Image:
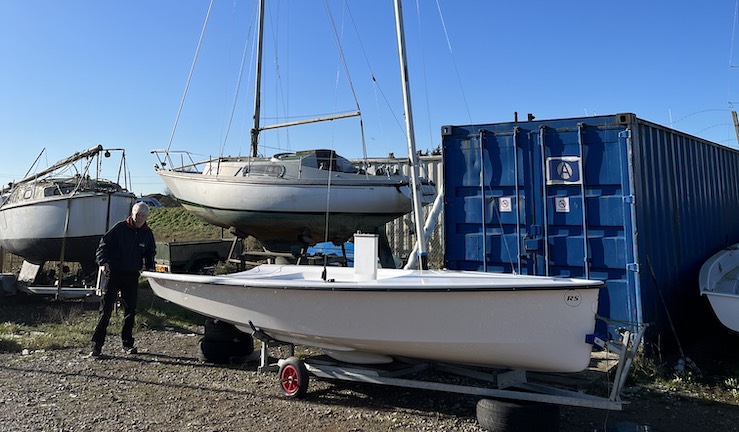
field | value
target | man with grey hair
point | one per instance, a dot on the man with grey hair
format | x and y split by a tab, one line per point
122	252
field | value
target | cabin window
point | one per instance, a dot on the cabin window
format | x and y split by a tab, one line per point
264	170
328	159
51	191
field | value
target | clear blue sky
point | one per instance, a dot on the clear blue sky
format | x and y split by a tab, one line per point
77	73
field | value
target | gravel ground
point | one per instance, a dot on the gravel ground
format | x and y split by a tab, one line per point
167	387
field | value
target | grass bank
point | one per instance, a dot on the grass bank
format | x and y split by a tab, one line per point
36	323
176	223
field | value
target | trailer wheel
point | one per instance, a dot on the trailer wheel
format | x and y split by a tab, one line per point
293	378
499	416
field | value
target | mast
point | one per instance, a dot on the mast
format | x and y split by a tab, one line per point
258	83
410	134
74	158
257	128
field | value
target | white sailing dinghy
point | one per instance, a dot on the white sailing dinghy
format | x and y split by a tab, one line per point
370	315
719	282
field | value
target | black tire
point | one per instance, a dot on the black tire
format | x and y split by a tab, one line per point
293	378
221	331
505	416
225	352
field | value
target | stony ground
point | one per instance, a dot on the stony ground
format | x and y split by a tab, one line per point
167	387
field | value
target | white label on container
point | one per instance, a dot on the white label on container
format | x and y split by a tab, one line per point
562	204
505	205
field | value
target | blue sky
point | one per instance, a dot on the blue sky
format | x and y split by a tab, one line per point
79	73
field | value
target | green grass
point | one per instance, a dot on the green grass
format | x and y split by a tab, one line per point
54	326
37	323
171	224
177	224
34	323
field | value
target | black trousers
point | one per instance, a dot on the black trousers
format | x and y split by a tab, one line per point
128	285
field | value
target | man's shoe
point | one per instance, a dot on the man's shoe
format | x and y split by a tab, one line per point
130	350
96	352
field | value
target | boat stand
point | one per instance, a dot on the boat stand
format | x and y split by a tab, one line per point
64	293
25	279
512	384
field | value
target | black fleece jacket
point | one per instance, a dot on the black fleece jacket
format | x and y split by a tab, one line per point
127	248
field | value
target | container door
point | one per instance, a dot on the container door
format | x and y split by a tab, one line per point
520	203
561	212
485	202
543	198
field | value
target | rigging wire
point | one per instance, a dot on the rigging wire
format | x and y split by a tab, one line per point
280	92
189	77
332	158
423	70
375	83
733	34
280	95
331	164
699	112
731	54
340	49
245	123
236	93
713	126
34	163
454	63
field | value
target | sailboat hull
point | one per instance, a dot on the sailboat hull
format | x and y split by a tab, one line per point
36	229
282	213
486	319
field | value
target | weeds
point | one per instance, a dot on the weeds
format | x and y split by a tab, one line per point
37	324
34	323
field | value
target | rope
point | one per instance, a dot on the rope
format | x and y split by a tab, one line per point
189	76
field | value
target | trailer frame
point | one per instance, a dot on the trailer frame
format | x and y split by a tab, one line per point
510	384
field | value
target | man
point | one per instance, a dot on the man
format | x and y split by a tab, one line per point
122	251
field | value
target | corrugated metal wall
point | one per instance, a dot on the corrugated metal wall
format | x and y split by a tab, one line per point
687	209
615	198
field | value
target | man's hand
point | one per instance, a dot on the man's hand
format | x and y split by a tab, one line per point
106	269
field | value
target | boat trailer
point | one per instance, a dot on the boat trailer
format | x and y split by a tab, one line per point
509	384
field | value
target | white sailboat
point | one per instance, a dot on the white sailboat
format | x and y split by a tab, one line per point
370	315
289	199
50	216
719	282
282	201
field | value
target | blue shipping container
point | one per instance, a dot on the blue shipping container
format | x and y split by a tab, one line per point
614	198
